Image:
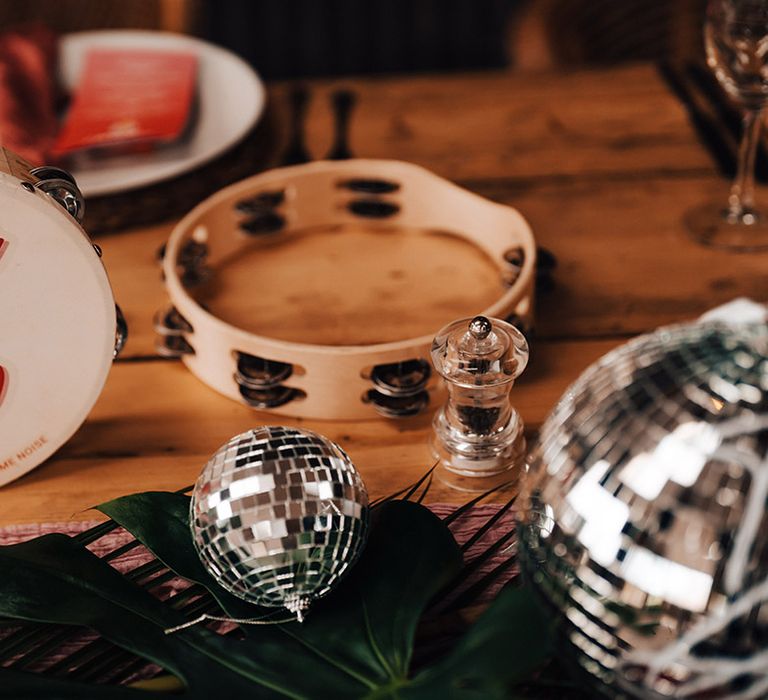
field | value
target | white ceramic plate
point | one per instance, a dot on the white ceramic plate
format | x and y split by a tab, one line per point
231	99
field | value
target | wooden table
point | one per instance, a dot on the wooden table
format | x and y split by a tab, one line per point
602	164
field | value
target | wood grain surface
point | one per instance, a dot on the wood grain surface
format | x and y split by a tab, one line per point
603	164
515	126
413	280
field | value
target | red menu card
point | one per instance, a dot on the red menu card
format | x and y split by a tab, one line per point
129	99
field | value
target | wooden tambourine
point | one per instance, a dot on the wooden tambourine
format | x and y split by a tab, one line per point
315	290
59	327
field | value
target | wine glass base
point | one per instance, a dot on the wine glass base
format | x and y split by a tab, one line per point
715	226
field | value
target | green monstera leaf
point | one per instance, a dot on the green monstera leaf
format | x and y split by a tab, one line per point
355	643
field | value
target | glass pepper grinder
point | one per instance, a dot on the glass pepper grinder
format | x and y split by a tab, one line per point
478	434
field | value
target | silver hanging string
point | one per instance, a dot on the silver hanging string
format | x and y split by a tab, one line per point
205	617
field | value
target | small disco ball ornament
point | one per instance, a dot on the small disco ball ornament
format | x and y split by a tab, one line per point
278	515
643	519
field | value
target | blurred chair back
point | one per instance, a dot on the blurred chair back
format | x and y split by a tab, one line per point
291	38
79	15
572	33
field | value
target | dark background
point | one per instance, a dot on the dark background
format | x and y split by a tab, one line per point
304	38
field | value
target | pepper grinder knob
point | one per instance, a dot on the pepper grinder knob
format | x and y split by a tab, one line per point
480	327
478	435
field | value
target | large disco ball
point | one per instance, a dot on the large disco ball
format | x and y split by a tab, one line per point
278	515
643	519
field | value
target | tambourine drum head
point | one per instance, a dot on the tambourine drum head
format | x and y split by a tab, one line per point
57	328
350	284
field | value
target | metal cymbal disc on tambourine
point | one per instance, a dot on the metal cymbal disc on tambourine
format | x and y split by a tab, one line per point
59	326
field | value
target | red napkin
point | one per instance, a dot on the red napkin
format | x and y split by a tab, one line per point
129	101
28	123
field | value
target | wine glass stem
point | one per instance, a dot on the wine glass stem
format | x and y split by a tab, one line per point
742	197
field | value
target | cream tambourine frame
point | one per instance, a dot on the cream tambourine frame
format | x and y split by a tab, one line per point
333	381
57	321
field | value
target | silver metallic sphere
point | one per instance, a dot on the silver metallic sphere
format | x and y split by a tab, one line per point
643	519
480	327
278	515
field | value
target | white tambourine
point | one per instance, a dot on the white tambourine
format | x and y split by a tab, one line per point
59	326
310	205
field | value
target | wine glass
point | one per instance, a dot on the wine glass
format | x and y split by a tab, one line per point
736	40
